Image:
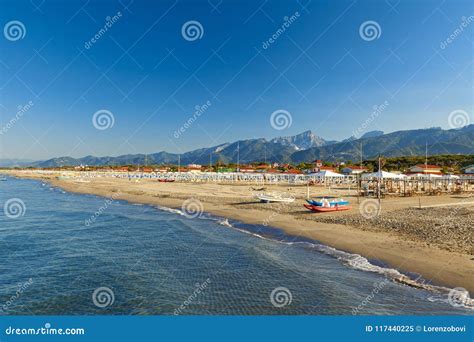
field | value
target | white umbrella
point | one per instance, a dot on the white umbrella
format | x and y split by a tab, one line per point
327	173
382	174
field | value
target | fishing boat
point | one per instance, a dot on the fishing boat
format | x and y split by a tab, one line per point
327	201
267	198
3	179
336	207
166	180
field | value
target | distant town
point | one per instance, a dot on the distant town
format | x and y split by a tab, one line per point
435	165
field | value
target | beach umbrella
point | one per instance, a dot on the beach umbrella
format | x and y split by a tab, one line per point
327	173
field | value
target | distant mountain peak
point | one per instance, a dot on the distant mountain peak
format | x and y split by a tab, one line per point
372	134
302	141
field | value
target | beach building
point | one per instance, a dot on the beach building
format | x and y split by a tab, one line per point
318	163
247	169
469	170
354	170
294	172
327	168
426	169
263	168
194	168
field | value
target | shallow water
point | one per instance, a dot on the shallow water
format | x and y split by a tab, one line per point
160	262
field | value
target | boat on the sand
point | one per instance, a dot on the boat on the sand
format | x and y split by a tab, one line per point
321	209
327	201
268	198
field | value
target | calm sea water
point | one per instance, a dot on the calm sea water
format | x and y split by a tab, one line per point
151	261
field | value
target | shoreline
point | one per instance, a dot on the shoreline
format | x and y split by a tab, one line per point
439	267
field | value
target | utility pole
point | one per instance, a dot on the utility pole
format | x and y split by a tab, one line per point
426	156
379	179
238	156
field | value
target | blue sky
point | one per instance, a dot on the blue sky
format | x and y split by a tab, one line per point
150	78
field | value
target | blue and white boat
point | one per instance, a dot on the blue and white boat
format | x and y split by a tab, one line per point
327	201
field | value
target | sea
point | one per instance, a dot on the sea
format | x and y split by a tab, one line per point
72	254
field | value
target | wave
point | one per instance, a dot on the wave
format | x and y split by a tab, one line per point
351	260
170	210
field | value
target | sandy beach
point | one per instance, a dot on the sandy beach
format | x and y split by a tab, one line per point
436	243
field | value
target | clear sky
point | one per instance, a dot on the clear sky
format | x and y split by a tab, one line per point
150	73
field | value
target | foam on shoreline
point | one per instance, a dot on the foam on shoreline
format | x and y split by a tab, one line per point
355	261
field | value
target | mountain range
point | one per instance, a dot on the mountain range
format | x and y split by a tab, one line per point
304	147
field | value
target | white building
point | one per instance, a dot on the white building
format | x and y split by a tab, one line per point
469	169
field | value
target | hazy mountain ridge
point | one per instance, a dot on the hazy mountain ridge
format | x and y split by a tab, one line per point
303	147
400	143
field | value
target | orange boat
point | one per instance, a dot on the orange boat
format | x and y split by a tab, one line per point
326	209
165	180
